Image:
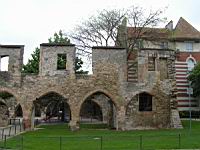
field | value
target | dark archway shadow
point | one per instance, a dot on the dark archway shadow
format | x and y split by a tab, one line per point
18	111
52	108
91	112
9	100
98	108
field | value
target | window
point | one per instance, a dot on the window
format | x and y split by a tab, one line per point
189	46
145	102
190	64
61	61
164	45
4	62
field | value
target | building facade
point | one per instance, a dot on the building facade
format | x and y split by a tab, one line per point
184	40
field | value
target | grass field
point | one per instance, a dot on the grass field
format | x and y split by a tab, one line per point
59	137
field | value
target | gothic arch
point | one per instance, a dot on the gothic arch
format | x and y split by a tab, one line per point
192	58
64	101
11	101
112	98
14	94
113	103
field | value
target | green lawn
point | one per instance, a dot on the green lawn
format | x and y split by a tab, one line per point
57	137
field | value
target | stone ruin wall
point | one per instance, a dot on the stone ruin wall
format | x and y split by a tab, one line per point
3	115
155	84
109	76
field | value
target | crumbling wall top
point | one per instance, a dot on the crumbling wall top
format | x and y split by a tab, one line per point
55	44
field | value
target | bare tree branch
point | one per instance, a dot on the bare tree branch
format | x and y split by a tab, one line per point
103	29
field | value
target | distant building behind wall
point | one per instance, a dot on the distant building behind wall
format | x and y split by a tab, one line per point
184	39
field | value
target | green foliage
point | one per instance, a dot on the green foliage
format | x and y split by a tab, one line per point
54	136
59	38
61	61
194	77
94	126
78	66
33	64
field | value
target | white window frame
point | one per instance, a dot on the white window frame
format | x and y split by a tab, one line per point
189	64
189	46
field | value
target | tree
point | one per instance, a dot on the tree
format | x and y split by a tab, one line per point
194	77
142	22
33	64
59	38
98	30
101	29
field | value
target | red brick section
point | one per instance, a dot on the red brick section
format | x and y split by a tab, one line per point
182	56
132	56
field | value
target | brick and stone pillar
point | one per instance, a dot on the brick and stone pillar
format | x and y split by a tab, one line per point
74	122
28	119
120	118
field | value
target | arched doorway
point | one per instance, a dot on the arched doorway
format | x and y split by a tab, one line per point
10	101
8	105
98	108
91	112
3	114
52	107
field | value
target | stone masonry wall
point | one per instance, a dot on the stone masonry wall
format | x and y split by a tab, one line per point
12	77
109	78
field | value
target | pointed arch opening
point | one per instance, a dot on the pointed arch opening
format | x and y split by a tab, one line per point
52	107
8	103
4	114
98	107
91	112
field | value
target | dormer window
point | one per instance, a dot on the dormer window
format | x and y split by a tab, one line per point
189	46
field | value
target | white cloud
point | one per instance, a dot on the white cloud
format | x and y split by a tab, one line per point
31	22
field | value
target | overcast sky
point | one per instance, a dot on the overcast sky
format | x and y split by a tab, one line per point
31	22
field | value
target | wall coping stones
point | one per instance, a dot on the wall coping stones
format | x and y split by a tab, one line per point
108	47
53	44
159	49
11	46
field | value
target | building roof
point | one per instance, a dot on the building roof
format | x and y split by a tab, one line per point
149	33
182	31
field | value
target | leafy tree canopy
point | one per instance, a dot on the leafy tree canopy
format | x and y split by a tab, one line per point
194	77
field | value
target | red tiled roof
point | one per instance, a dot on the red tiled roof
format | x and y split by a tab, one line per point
149	33
182	31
